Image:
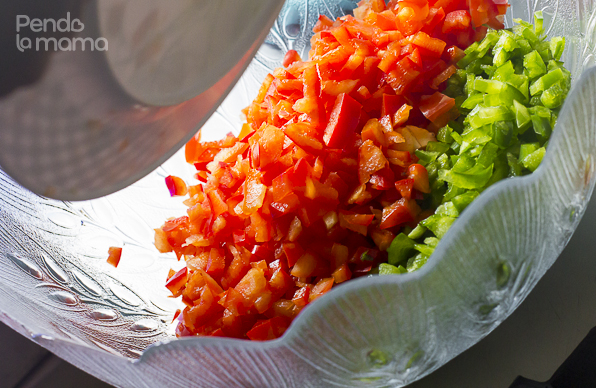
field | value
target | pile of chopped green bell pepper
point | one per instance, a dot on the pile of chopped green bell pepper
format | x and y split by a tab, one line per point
509	88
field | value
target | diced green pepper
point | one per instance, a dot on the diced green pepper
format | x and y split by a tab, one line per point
524	45
500	170
530	35
557	46
444	135
487	155
388	269
505	97
506	41
554	96
532	161
417	232
546	81
508	82
542	125
502	73
515	167
443	161
482	115
500	56
434	146
432	241
462	163
522	117
543	49
424	249
476	137
534	64
425	157
527	149
416	262
463	200
502	133
489	86
439	225
489	41
457	137
474	178
400	249
535	100
473	101
452	191
538	23
471	54
447	209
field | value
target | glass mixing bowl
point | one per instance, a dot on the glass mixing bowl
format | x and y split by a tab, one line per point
57	289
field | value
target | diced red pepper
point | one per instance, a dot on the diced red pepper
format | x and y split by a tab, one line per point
176	186
418	174
216	264
443	76
300	298
178	281
323	286
341	274
356	222
370	160
304	266
382	179
280	282
400	212
237	268
391	104
254	193
114	254
291	57
300	135
293	252
403	76
323	174
252	284
457	21
436	105
343	121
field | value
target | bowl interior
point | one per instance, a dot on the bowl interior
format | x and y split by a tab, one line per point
56	286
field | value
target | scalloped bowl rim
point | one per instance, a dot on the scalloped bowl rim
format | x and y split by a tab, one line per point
299	324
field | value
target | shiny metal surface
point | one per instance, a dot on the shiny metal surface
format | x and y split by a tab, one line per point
85	118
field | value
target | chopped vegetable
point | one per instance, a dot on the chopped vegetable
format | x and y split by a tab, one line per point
502	132
176	186
339	155
114	254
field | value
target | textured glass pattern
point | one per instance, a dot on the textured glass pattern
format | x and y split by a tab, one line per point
379	331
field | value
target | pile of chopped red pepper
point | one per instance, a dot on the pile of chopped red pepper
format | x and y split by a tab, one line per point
323	175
